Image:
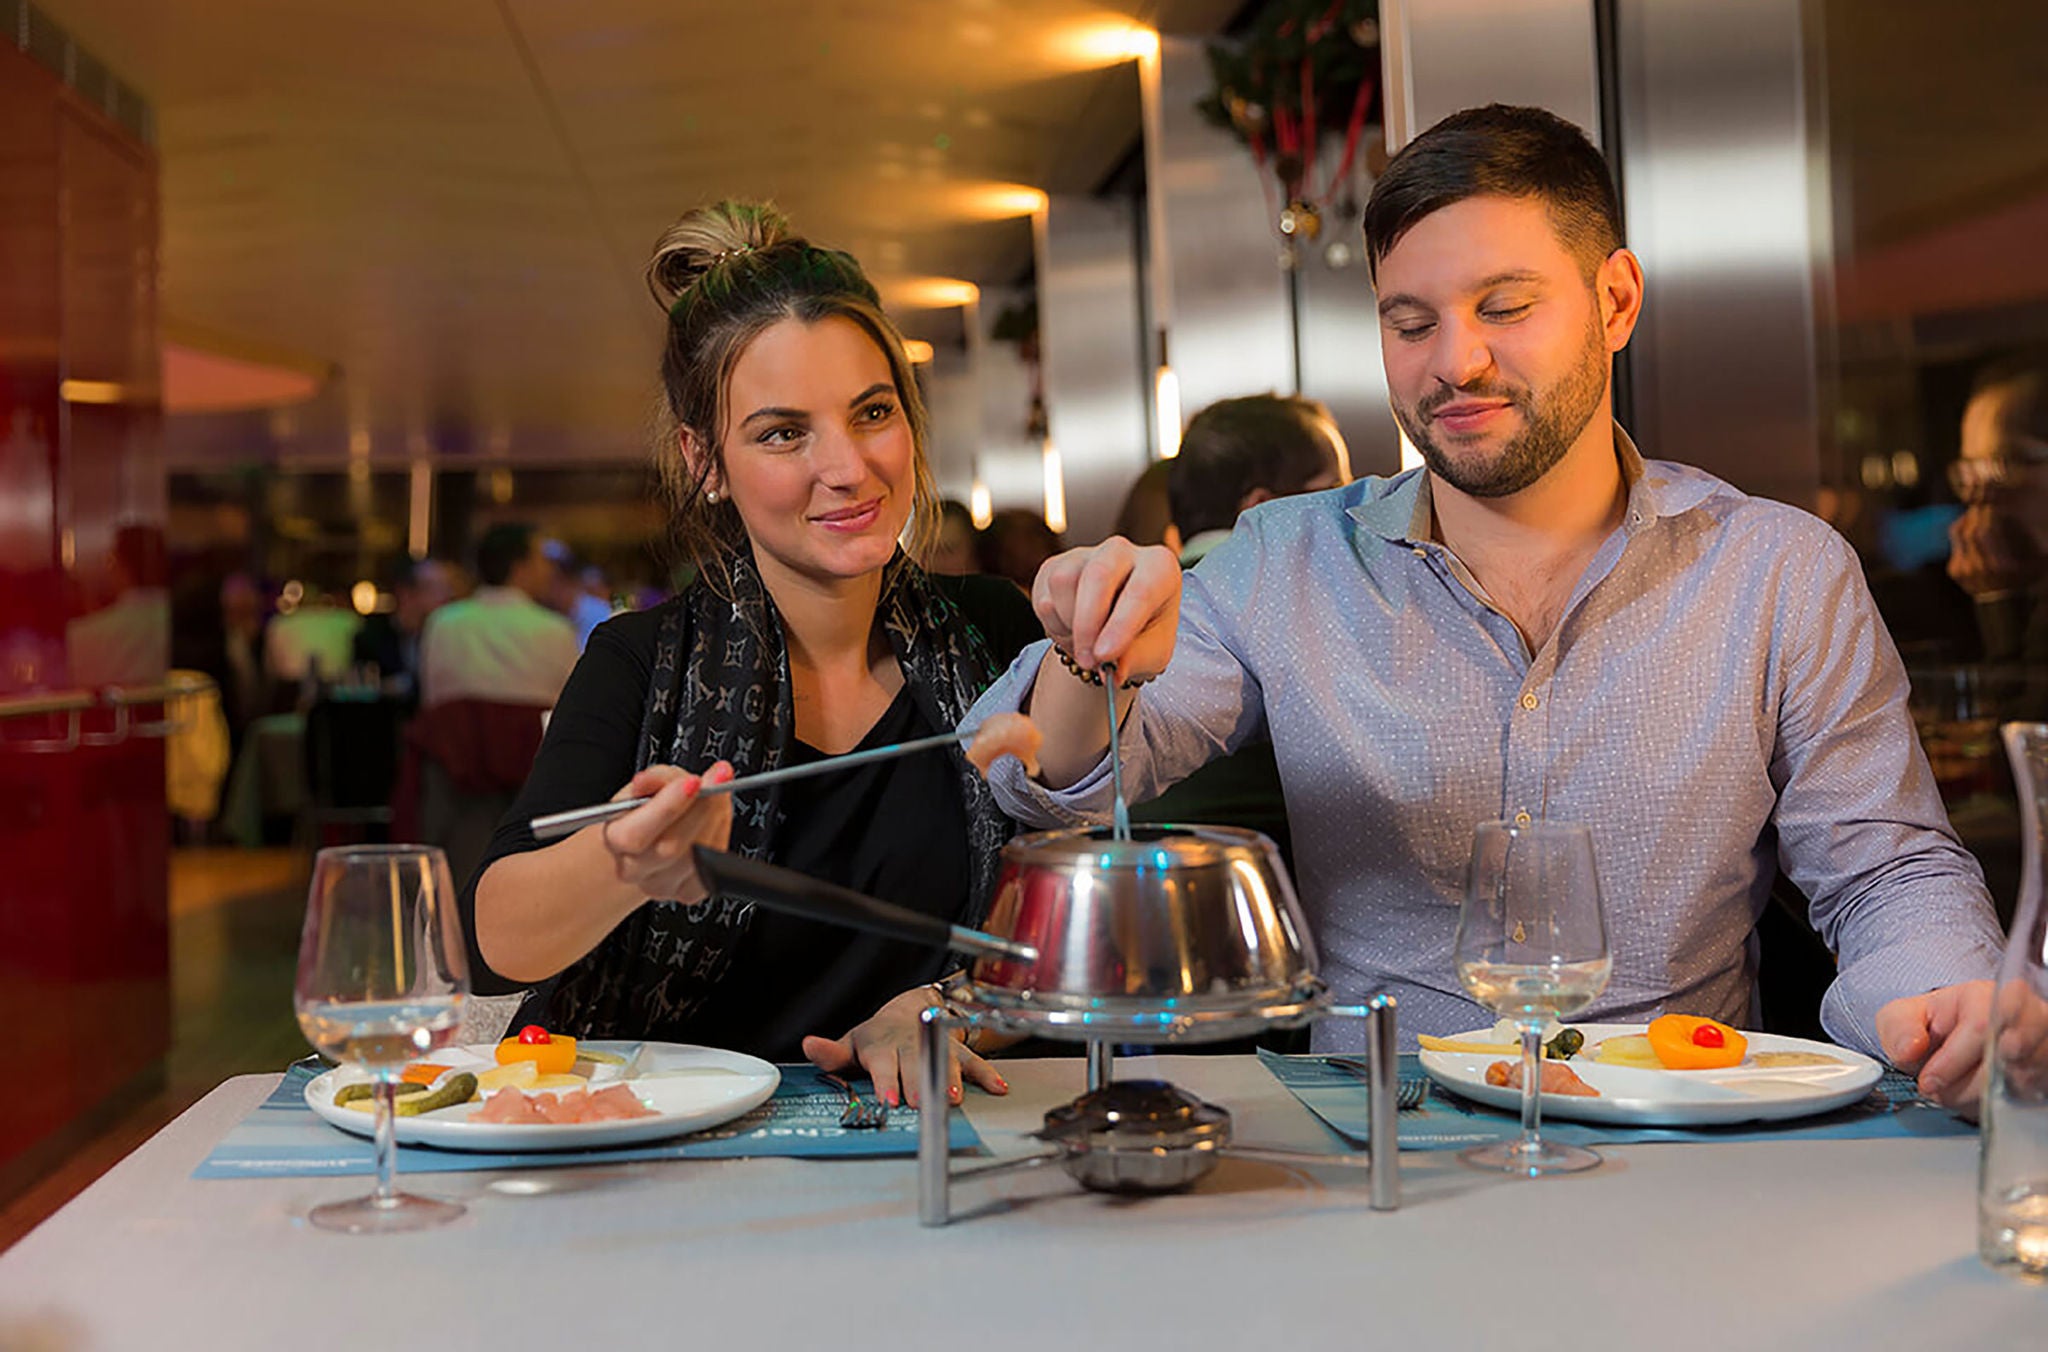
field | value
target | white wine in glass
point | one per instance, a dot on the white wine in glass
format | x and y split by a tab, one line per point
1532	946
382	977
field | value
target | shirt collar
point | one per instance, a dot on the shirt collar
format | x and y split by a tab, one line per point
1194	550
1398	509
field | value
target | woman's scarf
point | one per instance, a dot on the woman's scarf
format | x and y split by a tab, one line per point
720	690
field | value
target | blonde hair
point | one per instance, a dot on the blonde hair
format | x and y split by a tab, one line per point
724	273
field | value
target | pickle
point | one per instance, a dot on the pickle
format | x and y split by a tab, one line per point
363	1089
1565	1045
453	1090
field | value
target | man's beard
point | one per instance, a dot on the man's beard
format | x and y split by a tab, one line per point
1549	426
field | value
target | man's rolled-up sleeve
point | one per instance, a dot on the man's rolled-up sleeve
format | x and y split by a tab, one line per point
1207	703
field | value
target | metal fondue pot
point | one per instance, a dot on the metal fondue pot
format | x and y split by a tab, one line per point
1181	933
1178	934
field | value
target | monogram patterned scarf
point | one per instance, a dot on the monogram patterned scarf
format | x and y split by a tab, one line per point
721	691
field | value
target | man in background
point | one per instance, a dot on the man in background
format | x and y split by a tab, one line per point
1238	453
390	640
502	644
490	668
582	594
953	553
1999	546
128	640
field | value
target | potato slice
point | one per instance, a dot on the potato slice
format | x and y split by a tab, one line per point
514	1075
1631	1050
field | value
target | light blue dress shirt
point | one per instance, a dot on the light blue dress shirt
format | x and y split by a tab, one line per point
1719	700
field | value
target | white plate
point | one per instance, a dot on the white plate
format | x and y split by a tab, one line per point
1672	1098
689	1089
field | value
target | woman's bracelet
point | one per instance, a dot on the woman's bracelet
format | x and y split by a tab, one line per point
1082	673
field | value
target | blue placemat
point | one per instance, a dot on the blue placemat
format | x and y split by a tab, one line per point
1447	1122
281	1137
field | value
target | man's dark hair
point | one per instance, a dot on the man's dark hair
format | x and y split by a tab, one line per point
1498	151
2026	372
501	550
140	550
1278	442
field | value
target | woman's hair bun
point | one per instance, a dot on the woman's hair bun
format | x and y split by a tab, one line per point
707	236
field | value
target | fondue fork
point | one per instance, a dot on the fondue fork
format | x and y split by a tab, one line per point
1120	810
1406	1098
556	825
860	1113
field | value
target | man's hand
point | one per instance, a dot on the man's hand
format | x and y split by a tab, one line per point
1939	1037
1113	602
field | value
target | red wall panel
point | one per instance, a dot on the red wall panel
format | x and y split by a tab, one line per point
84	835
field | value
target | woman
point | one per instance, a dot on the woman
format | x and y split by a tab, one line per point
795	458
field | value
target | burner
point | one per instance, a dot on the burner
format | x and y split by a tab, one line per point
1137	1136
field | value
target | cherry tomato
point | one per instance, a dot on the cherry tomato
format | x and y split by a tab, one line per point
533	1035
1706	1035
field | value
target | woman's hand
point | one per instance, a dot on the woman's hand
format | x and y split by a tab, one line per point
650	846
1113	602
885	1046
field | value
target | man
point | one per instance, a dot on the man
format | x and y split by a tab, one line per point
502	644
580	593
1238	453
1537	624
1999	546
127	641
391	642
953	553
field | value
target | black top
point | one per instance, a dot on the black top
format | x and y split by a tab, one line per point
895	829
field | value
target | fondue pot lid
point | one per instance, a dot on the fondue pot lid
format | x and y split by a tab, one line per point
1137	1115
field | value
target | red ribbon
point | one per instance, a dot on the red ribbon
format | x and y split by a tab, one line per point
1351	131
1310	132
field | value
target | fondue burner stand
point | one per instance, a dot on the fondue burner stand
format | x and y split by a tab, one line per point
1137	1136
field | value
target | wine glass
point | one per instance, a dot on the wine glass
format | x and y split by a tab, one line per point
382	976
1532	946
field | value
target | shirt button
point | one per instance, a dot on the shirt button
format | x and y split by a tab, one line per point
1521	819
1529	701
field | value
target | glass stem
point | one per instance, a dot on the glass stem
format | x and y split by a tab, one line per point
387	1142
1532	1075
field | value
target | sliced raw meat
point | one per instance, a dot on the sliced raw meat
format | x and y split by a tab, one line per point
1557	1078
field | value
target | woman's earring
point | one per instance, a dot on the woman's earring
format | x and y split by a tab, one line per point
711	496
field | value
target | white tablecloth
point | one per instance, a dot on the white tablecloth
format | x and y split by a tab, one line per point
1852	1244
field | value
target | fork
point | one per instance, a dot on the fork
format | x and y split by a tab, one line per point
1407	1097
860	1113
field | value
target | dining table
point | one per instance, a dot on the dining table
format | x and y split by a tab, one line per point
1785	1243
